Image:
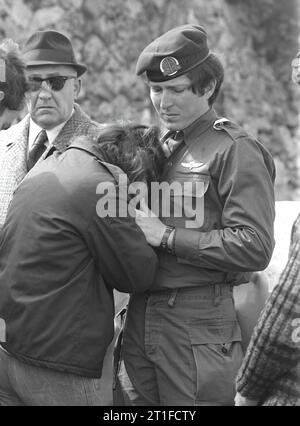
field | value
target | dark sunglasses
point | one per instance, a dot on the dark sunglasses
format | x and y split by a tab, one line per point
56	83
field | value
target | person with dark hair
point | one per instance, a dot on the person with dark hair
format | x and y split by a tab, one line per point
54	118
182	341
134	148
12	81
202	76
61	258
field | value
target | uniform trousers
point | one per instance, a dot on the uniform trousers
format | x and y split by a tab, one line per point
180	347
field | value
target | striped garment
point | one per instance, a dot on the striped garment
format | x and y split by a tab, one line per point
271	368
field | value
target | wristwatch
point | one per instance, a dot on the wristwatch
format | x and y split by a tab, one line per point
166	244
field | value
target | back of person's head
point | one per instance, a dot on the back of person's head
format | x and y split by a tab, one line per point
12	76
135	148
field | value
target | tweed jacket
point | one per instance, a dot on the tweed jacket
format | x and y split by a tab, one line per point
271	368
13	151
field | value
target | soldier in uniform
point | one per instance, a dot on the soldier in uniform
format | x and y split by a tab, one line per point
182	341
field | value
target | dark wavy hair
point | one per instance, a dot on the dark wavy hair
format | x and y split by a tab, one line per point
135	148
14	86
211	70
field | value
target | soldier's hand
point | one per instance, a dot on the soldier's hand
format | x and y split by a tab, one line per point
150	224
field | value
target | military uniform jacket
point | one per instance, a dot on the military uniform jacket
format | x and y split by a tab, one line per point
271	369
231	178
13	152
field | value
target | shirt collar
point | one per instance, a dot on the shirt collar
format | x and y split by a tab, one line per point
199	126
34	130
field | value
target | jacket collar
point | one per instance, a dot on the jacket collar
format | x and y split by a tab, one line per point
90	145
17	134
64	137
199	126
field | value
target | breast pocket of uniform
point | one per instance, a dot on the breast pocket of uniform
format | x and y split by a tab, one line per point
188	200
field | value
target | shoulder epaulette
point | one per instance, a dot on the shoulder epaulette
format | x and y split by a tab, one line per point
220	123
232	129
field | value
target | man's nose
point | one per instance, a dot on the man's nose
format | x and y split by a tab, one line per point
166	100
45	90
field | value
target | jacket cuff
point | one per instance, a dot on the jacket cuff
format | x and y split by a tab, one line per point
186	244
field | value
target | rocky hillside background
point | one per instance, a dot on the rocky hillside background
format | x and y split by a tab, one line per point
256	39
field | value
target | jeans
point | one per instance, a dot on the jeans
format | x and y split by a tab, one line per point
181	347
24	384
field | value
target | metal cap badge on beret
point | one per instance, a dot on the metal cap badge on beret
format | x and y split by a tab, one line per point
50	48
174	53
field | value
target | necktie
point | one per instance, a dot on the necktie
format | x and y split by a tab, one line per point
173	141
37	149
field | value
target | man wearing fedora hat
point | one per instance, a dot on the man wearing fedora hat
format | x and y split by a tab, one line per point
182	341
53	119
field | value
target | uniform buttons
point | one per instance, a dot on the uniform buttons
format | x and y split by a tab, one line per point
170	164
224	350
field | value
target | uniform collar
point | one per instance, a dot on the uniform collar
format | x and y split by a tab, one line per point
199	126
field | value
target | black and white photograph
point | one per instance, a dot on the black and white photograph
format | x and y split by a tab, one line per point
149	205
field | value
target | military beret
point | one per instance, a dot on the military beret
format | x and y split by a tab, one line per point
174	53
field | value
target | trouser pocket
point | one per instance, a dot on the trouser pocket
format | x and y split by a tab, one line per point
217	353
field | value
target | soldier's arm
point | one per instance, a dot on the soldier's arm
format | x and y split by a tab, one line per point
246	188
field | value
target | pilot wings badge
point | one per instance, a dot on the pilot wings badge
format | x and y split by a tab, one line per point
192	165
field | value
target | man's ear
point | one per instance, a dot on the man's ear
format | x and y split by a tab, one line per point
2	95
77	87
210	89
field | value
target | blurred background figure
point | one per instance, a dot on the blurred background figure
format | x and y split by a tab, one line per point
270	374
296	69
12	83
250	298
